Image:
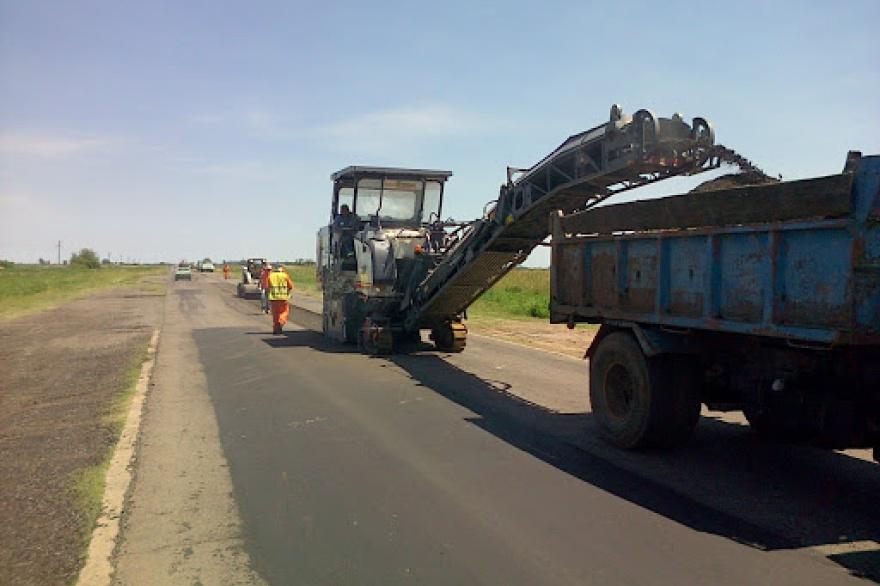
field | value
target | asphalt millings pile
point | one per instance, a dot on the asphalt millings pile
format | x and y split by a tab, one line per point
749	173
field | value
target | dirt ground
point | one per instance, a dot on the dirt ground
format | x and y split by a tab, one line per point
537	334
61	370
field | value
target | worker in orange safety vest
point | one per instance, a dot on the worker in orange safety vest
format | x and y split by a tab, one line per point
280	288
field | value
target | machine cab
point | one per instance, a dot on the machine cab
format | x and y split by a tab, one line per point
369	202
389	197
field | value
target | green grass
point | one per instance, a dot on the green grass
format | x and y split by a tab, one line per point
28	288
303	277
88	496
521	294
87	484
117	412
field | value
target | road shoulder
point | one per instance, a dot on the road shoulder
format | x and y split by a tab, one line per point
181	522
65	375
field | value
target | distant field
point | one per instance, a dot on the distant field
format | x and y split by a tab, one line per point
303	277
26	288
522	294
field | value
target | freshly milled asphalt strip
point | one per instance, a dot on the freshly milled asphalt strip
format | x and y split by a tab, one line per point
348	469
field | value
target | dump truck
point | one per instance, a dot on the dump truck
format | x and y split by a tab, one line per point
391	269
249	286
763	299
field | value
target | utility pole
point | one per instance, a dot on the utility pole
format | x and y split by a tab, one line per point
59	252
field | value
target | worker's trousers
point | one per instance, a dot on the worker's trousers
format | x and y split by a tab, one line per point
280	312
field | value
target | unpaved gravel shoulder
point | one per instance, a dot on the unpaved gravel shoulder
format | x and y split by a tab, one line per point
60	371
180	523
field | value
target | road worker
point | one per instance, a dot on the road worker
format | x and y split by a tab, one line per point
280	288
225	272
264	287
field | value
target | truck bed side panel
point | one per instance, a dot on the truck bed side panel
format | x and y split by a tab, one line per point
816	278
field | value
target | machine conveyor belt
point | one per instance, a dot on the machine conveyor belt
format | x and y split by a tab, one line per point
626	152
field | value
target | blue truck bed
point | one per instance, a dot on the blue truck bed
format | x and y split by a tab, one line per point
797	260
764	299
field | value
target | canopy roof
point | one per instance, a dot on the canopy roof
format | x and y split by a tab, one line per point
357	171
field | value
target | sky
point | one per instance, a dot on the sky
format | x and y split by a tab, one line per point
158	131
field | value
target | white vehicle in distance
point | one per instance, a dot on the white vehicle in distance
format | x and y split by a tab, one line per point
183	271
206	266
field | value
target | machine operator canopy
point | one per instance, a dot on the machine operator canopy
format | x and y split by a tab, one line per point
386	194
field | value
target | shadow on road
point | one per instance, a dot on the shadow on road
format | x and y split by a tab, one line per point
307	338
726	482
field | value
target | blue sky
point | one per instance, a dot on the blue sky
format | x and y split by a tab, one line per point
168	130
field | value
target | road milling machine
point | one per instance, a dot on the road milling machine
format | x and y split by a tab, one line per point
249	286
390	268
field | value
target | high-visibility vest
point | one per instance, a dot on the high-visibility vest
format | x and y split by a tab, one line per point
278	286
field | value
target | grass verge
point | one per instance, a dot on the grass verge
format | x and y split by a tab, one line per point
303	277
28	288
522	294
88	484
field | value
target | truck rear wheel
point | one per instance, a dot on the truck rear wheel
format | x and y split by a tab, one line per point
642	402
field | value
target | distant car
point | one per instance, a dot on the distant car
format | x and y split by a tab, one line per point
183	271
207	267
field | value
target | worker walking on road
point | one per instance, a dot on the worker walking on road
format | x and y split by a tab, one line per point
264	287
225	272
280	287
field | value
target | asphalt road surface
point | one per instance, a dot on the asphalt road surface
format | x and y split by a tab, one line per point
294	460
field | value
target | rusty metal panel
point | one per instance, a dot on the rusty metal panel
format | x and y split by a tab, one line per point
603	274
570	287
745	270
816	275
640	290
687	276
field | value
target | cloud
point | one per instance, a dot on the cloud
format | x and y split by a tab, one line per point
256	122
381	132
42	145
13	199
390	131
242	170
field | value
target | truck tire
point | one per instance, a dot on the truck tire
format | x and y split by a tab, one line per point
642	402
